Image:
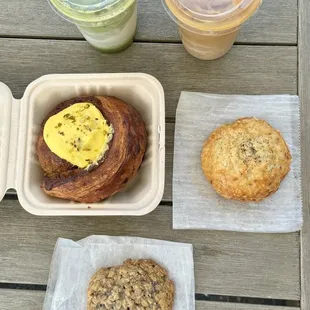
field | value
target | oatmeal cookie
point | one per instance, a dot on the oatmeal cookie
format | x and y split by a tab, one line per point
135	285
246	160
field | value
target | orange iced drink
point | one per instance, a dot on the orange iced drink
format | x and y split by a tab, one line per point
209	28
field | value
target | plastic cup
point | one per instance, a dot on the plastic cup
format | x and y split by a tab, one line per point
209	28
108	25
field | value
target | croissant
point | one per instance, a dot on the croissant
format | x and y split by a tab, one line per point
120	163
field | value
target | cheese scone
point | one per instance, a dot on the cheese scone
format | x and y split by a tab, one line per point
246	160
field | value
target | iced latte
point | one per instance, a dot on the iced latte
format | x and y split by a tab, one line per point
209	28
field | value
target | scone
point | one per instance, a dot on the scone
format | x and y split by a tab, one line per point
246	160
90	147
135	285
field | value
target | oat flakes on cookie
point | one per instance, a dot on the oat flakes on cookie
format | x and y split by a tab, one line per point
246	160
135	285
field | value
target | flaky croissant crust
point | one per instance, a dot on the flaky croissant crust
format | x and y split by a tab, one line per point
113	172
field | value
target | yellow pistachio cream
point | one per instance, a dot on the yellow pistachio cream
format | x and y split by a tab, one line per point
78	134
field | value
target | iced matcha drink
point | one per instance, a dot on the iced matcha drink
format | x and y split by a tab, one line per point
209	28
108	25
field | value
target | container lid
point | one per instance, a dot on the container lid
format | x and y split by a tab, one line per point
91	13
210	15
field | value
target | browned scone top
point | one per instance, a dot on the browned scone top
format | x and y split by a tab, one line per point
136	284
116	169
246	160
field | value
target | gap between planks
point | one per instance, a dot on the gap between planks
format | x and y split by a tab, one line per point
304	93
51	38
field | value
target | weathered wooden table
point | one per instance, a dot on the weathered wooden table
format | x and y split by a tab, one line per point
257	271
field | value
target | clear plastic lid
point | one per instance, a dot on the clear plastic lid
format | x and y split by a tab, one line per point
211	8
88	5
91	13
211	15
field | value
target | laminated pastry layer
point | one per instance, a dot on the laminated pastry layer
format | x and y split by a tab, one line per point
121	160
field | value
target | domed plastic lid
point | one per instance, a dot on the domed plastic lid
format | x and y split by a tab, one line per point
210	15
88	5
90	13
208	8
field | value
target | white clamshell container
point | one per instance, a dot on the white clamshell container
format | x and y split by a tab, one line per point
20	123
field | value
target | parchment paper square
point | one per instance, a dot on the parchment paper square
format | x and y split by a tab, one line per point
74	263
195	203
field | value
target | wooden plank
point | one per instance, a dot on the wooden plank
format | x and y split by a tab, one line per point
304	93
246	70
33	300
226	263
256	28
205	305
275	22
21	299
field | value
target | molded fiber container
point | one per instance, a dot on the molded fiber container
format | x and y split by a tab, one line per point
20	123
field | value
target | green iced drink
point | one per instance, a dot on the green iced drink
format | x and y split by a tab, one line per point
108	25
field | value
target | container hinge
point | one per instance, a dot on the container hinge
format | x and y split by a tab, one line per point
13	144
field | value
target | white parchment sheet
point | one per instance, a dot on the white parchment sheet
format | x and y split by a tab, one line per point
195	203
74	263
